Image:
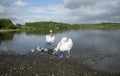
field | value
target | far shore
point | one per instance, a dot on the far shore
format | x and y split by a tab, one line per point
6	30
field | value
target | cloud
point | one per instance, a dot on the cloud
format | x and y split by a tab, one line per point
3	2
56	13
20	4
16	14
36	10
68	11
40	17
51	9
77	3
94	11
2	9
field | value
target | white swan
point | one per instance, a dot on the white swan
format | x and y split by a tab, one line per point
32	50
45	50
50	38
65	44
38	49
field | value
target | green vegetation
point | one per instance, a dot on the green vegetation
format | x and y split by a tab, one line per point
33	26
56	25
47	25
98	26
7	24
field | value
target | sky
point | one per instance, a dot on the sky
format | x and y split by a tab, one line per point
66	11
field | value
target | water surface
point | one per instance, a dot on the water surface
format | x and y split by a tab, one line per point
98	48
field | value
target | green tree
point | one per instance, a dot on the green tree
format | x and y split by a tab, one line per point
6	24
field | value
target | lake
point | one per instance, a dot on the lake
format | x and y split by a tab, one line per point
98	48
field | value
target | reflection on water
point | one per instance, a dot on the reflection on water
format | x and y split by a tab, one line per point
6	36
97	47
44	31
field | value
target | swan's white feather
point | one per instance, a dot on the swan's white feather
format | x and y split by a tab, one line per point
50	39
64	45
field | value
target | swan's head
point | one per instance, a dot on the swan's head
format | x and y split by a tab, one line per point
42	48
50	31
32	50
64	39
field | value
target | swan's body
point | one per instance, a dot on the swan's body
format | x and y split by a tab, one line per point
45	50
64	45
38	49
32	50
50	38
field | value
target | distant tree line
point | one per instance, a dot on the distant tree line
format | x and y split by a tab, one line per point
48	25
7	24
57	25
100	25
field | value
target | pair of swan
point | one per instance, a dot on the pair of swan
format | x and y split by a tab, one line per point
65	45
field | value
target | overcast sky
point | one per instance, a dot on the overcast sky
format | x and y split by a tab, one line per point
68	11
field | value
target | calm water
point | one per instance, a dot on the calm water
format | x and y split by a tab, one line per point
100	49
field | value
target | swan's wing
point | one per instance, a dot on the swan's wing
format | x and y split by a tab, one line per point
63	46
64	39
53	39
48	38
68	45
57	48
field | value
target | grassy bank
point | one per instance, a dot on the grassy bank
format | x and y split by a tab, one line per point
7	30
22	65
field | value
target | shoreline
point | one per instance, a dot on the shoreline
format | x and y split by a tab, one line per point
23	65
7	30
